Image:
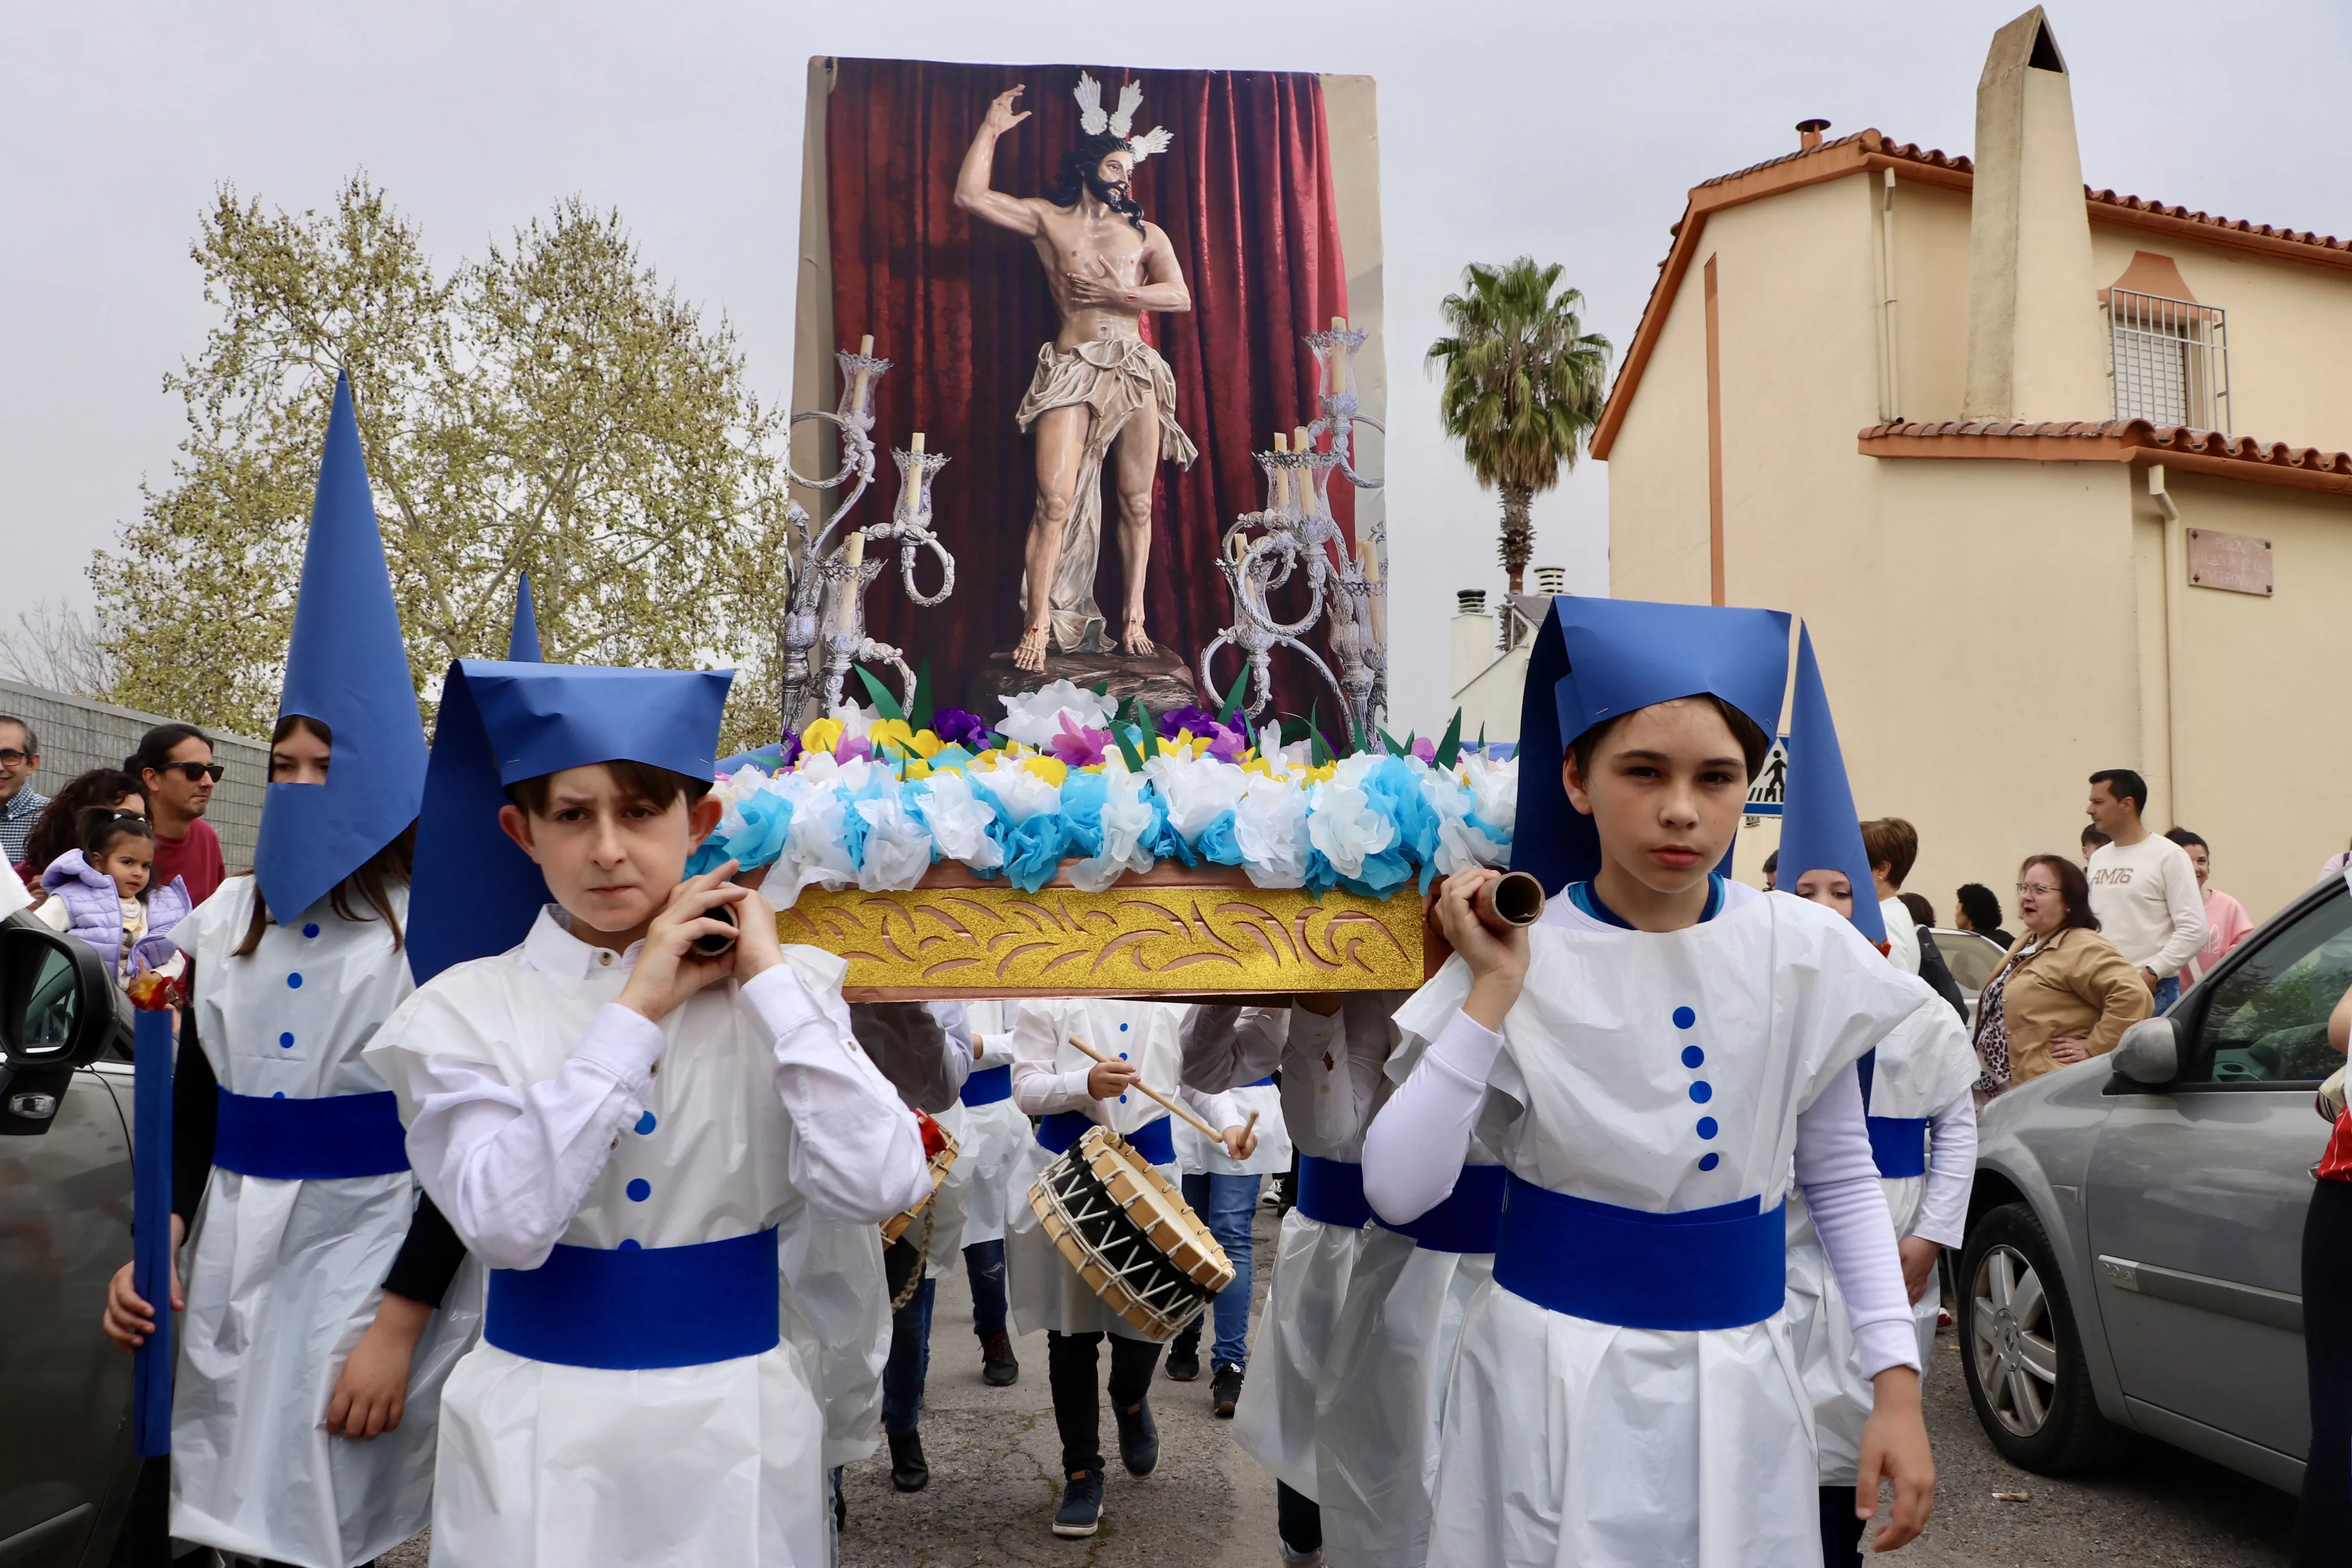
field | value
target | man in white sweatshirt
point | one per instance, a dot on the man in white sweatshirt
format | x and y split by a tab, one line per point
2143	888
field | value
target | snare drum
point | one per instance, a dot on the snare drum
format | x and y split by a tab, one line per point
1130	1235
943	1145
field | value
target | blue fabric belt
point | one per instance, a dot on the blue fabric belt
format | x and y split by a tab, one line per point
1704	1268
1468	1218
309	1139
636	1308
987	1086
1265	1082
1331	1192
1154	1140
1899	1144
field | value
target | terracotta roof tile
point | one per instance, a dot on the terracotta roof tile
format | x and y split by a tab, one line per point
2201	451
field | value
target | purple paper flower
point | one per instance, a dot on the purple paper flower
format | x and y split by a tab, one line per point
852	747
1425	749
955	727
1198	719
1225	745
788	753
1077	745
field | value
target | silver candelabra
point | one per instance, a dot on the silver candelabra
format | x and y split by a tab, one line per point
830	569
1295	530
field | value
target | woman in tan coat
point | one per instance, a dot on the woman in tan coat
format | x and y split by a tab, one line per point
2063	994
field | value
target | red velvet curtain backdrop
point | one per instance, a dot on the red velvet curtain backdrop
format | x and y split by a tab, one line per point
961	307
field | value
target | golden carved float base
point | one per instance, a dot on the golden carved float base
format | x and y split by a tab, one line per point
1167	932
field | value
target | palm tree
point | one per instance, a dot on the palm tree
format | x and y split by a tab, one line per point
1522	387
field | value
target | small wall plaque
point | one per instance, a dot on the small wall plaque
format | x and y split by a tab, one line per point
2232	562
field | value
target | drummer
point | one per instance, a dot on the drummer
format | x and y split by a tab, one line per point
1224	1192
1070	1091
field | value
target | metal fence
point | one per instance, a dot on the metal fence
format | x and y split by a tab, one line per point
2169	360
78	734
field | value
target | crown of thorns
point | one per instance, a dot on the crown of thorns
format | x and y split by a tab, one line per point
1093	121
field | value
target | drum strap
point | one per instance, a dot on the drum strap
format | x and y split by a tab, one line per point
634	1308
1468	1218
1155	1141
1702	1268
290	1140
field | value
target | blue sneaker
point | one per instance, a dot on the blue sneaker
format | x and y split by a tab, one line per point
1138	1439
1082	1500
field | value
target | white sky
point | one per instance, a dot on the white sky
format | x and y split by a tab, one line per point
1569	130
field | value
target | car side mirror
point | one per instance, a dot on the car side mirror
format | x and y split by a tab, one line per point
59	1009
2149	1052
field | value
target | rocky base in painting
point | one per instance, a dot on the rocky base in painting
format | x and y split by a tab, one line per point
1161	681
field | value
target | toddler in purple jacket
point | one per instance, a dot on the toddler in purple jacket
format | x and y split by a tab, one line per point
100	894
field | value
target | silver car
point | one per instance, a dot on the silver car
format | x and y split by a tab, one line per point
2133	1256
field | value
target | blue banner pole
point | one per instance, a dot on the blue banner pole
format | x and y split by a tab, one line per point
151	1371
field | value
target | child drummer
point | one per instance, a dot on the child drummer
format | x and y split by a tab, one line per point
615	1118
1071	1092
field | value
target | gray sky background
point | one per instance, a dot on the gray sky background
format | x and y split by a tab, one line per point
1568	130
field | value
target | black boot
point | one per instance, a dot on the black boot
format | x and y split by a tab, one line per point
1226	1390
1184	1356
999	1367
909	1473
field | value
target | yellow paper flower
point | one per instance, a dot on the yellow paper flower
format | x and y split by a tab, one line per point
1053	770
925	743
917	768
987	759
891	732
821	736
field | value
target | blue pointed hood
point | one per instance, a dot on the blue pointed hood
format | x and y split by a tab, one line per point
522	642
475	893
347	668
1819	829
1596	659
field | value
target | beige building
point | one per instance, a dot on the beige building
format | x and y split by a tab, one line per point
2057	477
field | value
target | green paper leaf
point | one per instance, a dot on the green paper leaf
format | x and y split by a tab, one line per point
1233	694
1318	750
1396	747
919	717
1126	738
1451	747
884	703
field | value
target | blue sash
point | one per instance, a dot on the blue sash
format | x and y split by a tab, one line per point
311	1139
1331	1192
987	1086
1468	1218
1154	1140
1899	1144
1265	1082
634	1308
1704	1268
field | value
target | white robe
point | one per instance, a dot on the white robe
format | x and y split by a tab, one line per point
1924	1068
991	1141
1048	1076
1197	1156
746	1103
1330	1067
282	1277
1566	1441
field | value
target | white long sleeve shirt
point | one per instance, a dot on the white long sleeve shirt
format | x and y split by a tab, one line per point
1951	1174
538	1110
2145	897
1049	1075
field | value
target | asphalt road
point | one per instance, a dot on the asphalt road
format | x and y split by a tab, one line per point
995	1483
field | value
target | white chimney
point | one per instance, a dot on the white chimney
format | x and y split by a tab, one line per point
2035	349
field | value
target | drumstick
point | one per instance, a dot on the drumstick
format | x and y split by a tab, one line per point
1207	1131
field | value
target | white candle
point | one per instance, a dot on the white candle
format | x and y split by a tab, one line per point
1281	476
1338	356
915	479
857	381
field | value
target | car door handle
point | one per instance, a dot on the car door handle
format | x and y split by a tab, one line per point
2273	1308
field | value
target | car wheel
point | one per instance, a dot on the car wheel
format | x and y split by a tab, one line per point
2021	1350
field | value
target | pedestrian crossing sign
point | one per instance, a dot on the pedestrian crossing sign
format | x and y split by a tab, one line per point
1767	791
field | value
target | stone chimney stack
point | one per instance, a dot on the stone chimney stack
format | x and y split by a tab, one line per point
2034	348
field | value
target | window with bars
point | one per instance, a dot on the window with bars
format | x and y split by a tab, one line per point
2169	360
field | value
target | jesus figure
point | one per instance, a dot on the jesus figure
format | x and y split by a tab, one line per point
1098	384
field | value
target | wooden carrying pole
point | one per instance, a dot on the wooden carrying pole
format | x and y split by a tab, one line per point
1172	1107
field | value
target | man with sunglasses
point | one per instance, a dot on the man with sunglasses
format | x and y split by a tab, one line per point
174	762
20	803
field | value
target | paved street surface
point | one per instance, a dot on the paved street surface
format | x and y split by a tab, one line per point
995	1482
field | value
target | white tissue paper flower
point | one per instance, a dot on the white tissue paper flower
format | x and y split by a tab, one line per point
1197	789
959	822
855	720
1022	793
1035	718
898	848
814	847
1495	785
1341	820
1128	820
1270	826
1460	846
